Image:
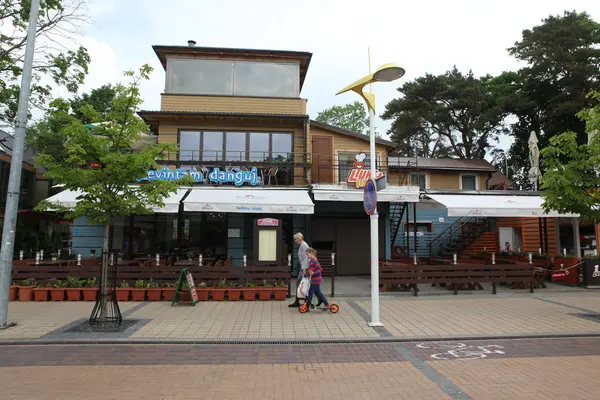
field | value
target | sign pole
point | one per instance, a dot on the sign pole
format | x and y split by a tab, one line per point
374	231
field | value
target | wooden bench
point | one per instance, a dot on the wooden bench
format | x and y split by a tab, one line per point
410	276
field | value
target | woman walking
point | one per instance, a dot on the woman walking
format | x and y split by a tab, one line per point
302	262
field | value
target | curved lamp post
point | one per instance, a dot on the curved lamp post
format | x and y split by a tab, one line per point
385	73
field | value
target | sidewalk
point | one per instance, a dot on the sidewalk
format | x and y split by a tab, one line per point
406	317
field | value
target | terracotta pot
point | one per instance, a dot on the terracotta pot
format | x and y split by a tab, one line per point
202	294
89	294
138	294
280	293
264	294
73	294
154	294
12	293
123	294
234	294
57	294
40	294
186	296
26	293
249	294
218	294
168	294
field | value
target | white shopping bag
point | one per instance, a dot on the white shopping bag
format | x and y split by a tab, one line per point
303	287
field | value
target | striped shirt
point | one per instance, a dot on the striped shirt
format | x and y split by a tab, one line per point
315	267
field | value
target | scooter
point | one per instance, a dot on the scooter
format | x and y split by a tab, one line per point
333	308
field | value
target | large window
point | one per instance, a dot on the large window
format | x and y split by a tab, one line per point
234	146
419	180
468	182
239	78
346	164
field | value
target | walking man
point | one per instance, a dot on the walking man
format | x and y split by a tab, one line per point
302	262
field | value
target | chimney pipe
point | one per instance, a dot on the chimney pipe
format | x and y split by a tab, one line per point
191	43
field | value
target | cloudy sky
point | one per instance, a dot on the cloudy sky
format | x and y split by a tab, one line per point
424	36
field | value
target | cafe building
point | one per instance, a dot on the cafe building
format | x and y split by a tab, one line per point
263	169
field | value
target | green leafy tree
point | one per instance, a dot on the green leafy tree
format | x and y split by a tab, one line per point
100	163
100	99
58	22
452	114
352	116
571	183
563	58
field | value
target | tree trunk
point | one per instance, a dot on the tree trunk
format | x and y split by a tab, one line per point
104	275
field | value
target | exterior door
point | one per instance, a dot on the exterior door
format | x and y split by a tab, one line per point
322	159
505	235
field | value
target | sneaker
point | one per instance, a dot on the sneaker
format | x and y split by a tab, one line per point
294	304
313	306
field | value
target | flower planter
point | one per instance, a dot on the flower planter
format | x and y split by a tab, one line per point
57	294
123	294
202	294
26	293
154	294
249	294
12	293
138	294
40	294
572	274
89	294
264	294
168	294
218	294
73	294
234	294
280	293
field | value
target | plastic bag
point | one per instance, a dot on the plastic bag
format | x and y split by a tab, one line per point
303	287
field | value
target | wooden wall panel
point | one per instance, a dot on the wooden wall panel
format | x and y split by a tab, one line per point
531	233
232	104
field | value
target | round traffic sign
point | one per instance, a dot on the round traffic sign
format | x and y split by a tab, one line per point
370	196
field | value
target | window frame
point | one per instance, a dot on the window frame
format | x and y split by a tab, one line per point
425	174
460	180
429	225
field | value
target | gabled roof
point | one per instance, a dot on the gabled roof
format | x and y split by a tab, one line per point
224	53
454	164
347	132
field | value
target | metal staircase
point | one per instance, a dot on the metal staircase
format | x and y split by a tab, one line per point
459	236
397	211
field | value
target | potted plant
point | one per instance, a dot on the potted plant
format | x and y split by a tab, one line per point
218	292
138	293
249	291
123	291
265	291
234	292
73	288
203	290
153	290
26	290
57	292
13	292
168	291
280	290
89	289
565	262
92	253
40	293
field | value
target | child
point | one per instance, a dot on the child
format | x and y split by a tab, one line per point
315	271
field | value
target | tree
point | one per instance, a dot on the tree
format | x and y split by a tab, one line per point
571	183
563	59
446	115
352	116
100	99
53	62
100	163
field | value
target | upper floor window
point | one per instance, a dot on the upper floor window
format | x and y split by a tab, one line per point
232	78
419	180
468	182
235	146
346	164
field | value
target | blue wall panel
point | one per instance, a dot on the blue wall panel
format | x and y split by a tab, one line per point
87	237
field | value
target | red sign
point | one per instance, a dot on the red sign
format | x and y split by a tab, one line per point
360	174
190	282
559	276
267	222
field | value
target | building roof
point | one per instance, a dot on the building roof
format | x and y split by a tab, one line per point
7	145
454	164
347	132
303	57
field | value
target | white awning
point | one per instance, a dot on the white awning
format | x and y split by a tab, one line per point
68	198
494	206
392	194
272	201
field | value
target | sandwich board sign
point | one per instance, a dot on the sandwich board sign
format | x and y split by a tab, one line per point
185	281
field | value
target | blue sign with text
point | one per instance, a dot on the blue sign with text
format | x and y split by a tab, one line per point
238	178
370	196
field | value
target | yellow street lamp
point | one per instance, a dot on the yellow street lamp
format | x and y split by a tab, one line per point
385	73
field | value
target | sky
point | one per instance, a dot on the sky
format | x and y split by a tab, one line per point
428	36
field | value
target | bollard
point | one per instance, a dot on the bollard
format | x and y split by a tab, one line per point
20	254
454	258
200	260
78	259
415	259
245	261
157	260
493	258
37	258
530	258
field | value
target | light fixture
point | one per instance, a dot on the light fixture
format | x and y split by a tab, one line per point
388	73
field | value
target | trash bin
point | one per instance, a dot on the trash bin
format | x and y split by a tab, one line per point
591	273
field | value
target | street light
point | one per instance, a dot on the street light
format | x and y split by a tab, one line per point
385	73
